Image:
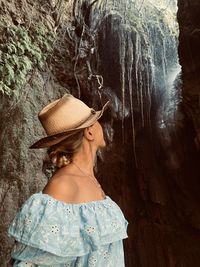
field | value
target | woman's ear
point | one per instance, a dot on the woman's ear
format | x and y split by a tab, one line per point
89	133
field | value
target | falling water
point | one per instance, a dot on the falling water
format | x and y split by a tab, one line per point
143	36
149	63
137	56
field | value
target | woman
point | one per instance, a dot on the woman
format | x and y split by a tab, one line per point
71	222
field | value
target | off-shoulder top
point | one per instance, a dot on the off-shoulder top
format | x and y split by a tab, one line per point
50	232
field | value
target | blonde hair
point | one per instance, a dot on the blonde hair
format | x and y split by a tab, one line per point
61	154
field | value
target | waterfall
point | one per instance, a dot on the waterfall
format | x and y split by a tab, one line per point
151	152
136	48
143	38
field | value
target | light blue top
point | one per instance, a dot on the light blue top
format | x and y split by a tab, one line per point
50	232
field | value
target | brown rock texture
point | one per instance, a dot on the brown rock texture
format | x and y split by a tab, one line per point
151	169
21	168
189	42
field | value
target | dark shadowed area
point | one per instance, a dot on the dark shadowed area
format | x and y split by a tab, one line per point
145	58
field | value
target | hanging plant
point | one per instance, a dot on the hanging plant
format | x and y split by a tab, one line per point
22	50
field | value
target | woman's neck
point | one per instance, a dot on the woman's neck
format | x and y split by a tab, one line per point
83	160
85	157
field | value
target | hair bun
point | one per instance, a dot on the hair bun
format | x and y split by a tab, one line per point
58	159
61	154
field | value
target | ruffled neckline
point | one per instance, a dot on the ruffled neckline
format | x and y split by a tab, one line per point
88	203
68	229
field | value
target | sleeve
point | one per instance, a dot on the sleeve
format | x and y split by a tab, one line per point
48	231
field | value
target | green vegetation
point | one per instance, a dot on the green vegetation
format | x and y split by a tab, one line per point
21	51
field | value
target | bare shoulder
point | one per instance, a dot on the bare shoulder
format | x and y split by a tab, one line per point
62	188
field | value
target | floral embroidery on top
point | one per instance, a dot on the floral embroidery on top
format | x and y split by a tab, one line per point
50	201
68	210
105	254
27	221
92	261
90	230
52	233
114	224
55	229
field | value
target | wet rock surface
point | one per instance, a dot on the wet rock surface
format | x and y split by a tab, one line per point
155	154
126	53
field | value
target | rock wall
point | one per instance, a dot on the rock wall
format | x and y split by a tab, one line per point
156	167
22	169
152	158
189	41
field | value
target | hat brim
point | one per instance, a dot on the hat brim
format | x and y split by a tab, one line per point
56	138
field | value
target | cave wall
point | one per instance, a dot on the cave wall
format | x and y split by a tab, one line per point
189	54
22	169
160	194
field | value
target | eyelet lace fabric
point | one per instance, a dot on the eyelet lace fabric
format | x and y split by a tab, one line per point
49	232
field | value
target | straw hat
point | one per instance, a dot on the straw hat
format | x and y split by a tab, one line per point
62	117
